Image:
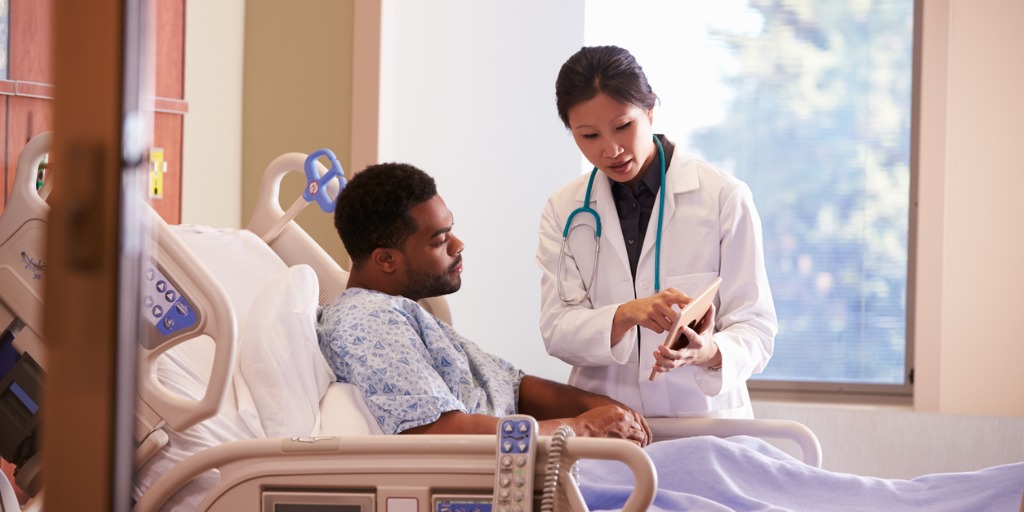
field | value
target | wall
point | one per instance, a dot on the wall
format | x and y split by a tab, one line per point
297	96
968	284
889	442
467	94
982	349
212	154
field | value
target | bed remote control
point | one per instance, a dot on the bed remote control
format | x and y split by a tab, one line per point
513	479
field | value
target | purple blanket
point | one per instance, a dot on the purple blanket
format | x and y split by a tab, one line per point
743	473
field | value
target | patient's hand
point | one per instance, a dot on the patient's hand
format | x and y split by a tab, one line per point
589	414
613	421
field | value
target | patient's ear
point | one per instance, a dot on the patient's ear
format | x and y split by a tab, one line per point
384	259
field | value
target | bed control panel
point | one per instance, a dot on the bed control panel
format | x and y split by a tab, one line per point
513	478
163	304
317	501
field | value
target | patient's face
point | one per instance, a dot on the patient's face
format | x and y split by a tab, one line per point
433	255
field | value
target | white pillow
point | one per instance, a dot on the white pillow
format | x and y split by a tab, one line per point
279	358
343	412
221	250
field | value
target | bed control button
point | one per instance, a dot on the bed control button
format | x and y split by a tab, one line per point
513	486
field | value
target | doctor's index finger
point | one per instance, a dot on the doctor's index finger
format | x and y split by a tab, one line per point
675	296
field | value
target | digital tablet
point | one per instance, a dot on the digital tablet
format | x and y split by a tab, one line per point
690	315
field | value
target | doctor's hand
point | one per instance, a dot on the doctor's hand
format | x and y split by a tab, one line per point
654	313
700	348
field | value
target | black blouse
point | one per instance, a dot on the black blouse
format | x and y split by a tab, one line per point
636	206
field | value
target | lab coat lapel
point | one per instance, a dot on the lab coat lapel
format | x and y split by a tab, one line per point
679	178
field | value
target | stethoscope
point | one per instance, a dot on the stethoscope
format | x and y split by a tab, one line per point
597	235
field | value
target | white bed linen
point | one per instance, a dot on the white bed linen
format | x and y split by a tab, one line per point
184	370
239	260
747	474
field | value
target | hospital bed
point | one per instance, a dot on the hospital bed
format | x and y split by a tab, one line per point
217	429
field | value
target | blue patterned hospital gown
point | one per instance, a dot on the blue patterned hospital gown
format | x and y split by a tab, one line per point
410	366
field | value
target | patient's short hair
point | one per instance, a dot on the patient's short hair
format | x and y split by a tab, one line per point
373	209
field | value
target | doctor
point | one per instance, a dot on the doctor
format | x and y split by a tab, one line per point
660	227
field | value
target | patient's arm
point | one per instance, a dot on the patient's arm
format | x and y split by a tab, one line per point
605	421
544	399
589	414
458	422
553	405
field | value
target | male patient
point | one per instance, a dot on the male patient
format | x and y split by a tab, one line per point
417	374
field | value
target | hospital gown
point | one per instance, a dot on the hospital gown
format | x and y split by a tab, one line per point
410	366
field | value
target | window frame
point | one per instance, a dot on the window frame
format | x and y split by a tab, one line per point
865	393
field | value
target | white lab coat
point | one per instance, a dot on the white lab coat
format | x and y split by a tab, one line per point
710	229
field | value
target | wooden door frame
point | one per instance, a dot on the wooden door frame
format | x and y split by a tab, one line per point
93	255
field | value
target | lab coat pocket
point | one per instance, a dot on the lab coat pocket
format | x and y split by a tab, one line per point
691	284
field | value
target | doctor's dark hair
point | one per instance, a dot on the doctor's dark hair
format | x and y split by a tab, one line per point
608	69
373	209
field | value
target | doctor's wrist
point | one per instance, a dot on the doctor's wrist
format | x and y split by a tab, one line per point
715	363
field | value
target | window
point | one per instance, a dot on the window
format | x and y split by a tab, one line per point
809	103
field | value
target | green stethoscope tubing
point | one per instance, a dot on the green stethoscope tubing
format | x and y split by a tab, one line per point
597	233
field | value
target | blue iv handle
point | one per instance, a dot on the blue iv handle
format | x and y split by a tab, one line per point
316	189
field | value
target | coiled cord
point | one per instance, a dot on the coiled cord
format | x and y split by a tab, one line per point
554	466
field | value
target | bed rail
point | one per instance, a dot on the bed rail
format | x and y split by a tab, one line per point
674	428
193	287
392	466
